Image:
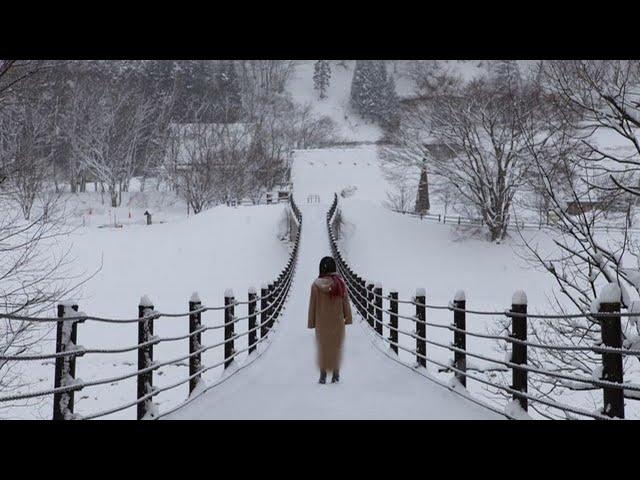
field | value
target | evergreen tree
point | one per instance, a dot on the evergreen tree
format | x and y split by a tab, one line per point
373	93
321	76
360	86
390	114
422	199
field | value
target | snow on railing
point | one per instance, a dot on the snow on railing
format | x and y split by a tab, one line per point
368	299
260	320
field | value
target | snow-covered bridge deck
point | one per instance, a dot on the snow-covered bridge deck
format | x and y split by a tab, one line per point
282	384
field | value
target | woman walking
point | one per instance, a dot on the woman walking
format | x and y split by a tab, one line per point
329	312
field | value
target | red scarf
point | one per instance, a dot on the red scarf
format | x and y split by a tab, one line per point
338	288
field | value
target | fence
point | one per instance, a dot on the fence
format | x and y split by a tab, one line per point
522	225
262	312
368	299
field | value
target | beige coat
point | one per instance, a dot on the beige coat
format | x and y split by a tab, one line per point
328	315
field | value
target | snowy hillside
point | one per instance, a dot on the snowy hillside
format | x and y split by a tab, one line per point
336	106
350	127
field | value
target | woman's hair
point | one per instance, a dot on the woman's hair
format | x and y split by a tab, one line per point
327	266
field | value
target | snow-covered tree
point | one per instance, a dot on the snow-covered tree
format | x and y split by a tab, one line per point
111	127
359	85
321	77
389	114
373	93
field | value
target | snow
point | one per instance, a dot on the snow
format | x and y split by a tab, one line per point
195	298
421	292
515	410
228	293
145	301
610	293
519	298
459	296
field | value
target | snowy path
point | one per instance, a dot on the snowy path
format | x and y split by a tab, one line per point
282	384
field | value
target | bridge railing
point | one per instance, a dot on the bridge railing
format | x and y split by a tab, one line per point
262	311
369	301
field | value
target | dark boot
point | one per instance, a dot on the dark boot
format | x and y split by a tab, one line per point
336	376
323	377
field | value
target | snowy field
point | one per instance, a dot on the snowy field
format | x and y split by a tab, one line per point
220	248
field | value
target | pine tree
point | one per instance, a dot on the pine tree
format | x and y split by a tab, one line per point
390	116
321	76
360	86
377	90
422	199
373	93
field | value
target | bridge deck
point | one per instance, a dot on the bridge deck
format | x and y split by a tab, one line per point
282	384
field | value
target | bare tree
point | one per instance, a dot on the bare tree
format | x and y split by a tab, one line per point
479	127
28	137
207	162
588	161
110	128
401	197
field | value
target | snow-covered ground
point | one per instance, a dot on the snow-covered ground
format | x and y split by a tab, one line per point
220	248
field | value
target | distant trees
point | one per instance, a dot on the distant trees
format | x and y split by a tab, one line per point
373	93
482	147
226	95
207	163
505	74
114	121
108	121
321	77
